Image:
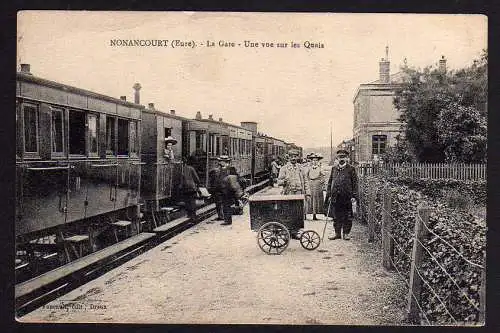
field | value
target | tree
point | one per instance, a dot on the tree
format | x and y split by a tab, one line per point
434	106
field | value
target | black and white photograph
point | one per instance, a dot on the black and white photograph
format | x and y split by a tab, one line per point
251	168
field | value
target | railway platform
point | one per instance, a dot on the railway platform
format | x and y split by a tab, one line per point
214	274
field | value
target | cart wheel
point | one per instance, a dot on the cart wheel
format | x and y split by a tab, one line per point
273	238
310	240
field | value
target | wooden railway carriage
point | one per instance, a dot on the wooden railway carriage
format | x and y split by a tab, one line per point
160	175
241	150
205	139
77	157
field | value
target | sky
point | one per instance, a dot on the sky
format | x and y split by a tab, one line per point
294	94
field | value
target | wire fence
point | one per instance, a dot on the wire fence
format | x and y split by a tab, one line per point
436	296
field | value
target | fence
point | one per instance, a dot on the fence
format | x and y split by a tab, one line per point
459	171
408	251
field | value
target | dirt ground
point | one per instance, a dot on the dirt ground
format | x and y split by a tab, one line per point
218	274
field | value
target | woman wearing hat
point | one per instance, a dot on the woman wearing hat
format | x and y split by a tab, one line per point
316	179
168	153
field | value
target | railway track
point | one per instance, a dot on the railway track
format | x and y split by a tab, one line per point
46	287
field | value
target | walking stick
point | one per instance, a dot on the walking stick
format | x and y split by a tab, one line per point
326	216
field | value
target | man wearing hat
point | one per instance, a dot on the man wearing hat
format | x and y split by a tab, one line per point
218	187
293	180
291	176
168	153
340	193
316	179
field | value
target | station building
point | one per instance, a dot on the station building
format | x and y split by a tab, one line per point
376	124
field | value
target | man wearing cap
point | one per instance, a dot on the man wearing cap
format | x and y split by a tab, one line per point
340	194
218	187
168	152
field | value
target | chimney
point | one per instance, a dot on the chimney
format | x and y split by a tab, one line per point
123	98
137	95
220	119
198	115
172	112
210	117
249	125
442	65
151	106
384	67
25	68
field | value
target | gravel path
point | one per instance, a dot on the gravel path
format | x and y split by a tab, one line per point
217	274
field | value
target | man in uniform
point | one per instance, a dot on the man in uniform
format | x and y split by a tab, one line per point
340	194
293	180
215	177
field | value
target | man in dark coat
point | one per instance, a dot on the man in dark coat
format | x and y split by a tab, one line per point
340	193
190	184
215	177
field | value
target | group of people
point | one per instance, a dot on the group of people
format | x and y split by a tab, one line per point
309	179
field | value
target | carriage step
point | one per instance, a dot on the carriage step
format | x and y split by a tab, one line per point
76	238
121	224
28	287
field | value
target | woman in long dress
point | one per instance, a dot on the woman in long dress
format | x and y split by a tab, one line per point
316	179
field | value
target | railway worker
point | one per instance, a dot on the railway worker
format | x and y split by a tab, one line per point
215	183
168	152
232	191
293	180
190	184
341	192
316	178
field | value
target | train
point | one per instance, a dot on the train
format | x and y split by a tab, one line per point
92	169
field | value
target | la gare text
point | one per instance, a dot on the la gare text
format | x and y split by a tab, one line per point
177	43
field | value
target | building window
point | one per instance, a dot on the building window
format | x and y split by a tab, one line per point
30	129
123	138
93	143
57	131
134	142
110	135
378	144
76	132
199	141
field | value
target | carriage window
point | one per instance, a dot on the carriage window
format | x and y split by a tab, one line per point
123	137
217	146
133	138
378	144
92	122
110	135
57	131
30	129
76	132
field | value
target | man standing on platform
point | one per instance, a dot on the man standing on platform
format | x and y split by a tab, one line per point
215	177
340	195
293	180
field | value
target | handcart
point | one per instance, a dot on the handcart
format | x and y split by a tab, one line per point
279	218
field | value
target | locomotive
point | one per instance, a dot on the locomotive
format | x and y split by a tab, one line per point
92	169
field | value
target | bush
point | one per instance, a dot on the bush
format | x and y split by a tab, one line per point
450	220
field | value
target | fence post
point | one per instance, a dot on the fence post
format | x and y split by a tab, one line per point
482	294
387	241
369	215
416	263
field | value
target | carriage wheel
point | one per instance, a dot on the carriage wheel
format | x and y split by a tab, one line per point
310	240
273	238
